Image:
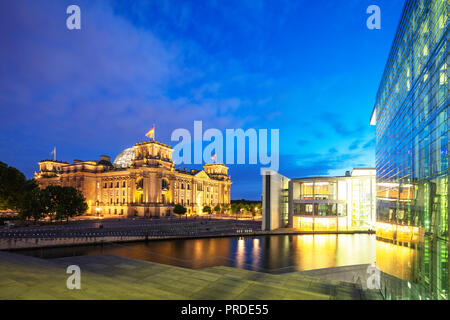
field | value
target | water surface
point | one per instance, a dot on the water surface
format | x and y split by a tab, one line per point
277	254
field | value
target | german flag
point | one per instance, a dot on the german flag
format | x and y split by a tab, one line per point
151	133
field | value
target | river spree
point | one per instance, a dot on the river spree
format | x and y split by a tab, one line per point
277	254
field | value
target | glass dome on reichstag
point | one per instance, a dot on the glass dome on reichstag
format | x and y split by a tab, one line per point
123	159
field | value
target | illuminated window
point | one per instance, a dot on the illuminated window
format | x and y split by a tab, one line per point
443	75
342	190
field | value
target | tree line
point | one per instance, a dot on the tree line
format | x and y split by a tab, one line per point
237	207
32	203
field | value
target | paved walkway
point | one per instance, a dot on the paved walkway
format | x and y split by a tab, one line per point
113	277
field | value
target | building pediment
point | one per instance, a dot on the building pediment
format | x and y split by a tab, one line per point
202	174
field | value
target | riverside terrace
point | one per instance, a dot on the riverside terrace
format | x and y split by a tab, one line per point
110	277
94	231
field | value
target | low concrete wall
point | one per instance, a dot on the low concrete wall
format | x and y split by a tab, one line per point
354	274
30	243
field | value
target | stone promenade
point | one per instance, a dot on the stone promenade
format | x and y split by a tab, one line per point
112	277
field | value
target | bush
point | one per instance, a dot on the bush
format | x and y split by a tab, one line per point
207	209
179	209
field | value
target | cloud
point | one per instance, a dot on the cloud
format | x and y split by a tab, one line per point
354	145
107	82
340	125
316	164
370	144
332	150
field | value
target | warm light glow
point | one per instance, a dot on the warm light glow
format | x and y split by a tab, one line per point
319	223
397	232
395	260
240	253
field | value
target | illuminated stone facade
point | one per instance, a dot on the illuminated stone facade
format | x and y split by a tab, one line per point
142	181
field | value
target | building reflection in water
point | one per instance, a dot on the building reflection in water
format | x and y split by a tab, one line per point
395	260
283	253
418	271
256	253
240	253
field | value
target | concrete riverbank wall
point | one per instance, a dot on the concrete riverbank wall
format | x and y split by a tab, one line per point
33	243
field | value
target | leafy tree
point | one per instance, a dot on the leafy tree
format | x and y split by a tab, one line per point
235	208
226	207
12	184
179	209
64	202
73	203
246	207
217	209
33	205
207	209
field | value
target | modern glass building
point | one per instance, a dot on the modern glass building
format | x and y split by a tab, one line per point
340	203
412	132
318	204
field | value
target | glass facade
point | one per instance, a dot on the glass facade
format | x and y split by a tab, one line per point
412	133
334	203
275	201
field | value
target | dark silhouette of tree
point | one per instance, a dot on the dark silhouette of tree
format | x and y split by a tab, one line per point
13	185
33	206
179	209
64	202
207	209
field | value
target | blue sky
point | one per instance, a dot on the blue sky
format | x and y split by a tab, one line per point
308	68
